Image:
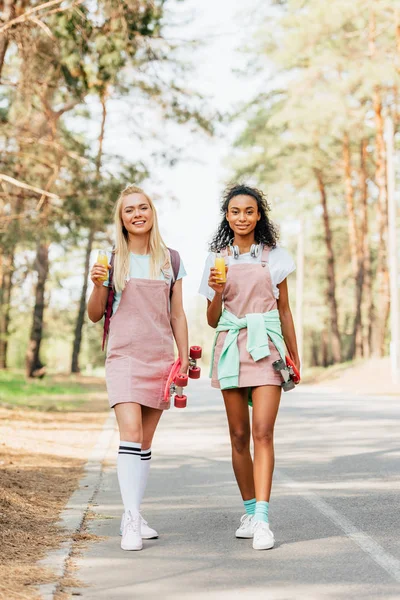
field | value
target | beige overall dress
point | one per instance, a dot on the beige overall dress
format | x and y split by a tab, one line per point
248	289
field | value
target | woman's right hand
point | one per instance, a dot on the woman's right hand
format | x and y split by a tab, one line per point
214	281
98	274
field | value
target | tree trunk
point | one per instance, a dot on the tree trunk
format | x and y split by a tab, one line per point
6	283
82	306
382	273
324	342
5	298
300	288
34	366
8	15
355	252
367	295
82	303
315	348
331	291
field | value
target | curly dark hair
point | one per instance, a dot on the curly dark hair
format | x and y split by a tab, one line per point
265	231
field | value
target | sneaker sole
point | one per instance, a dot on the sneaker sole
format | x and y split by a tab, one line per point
131	549
244	537
145	537
267	547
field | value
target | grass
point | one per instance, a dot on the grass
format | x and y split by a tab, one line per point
52	393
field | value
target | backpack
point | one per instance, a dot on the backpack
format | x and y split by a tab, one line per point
175	263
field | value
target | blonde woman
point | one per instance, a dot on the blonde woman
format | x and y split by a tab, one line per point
147	314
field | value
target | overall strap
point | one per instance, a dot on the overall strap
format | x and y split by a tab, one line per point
265	255
224	252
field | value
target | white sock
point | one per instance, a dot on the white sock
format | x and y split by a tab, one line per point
129	471
144	473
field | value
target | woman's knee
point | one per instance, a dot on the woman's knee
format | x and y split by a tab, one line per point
129	419
263	435
146	443
131	435
240	439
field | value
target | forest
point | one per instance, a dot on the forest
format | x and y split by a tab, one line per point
315	137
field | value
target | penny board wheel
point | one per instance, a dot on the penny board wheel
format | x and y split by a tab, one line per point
194	372
195	352
180	401
181	380
279	365
288	385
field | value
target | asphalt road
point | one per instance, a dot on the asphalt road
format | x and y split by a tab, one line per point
334	508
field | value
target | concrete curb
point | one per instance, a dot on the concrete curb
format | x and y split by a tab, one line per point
75	510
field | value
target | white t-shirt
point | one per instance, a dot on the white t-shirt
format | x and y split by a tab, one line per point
280	263
139	268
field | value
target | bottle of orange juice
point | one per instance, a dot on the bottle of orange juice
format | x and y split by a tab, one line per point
220	266
102	259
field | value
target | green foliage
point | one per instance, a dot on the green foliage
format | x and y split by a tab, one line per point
78	56
326	62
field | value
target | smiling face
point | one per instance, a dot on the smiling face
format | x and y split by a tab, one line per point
136	214
242	215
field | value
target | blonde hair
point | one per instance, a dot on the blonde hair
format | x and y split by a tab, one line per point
159	255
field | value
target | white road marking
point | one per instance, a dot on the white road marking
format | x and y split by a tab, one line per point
382	558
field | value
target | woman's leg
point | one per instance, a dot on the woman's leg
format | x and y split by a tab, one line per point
150	420
129	419
265	409
237	411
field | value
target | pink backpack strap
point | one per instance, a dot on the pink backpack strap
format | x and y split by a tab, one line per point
110	301
175	264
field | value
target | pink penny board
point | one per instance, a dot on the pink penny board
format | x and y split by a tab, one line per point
177	381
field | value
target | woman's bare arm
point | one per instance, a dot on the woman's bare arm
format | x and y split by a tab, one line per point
98	297
179	325
286	318
214	306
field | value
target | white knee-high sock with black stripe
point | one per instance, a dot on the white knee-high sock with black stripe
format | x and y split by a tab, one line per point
144	472
129	473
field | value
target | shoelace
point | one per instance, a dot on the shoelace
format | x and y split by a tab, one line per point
133	524
141	519
244	520
261	526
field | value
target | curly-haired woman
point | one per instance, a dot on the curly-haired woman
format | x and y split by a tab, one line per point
252	316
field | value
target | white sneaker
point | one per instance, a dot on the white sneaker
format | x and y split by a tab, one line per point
147	532
246	527
263	537
131	538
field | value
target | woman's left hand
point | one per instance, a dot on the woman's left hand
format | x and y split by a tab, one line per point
184	366
296	361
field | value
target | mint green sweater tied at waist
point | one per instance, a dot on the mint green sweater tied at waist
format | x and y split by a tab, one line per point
260	326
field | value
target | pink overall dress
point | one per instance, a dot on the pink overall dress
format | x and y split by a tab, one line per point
248	289
140	349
